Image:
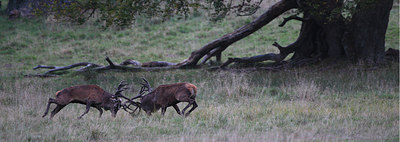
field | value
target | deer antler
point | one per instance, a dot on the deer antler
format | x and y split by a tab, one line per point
145	87
126	107
121	87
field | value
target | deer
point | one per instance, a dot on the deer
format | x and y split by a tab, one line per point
165	96
91	96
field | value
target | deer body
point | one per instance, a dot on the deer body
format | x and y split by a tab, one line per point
89	95
170	95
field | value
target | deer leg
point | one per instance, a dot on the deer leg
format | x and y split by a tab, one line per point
183	111
194	107
100	110
163	110
51	100
177	109
56	110
87	109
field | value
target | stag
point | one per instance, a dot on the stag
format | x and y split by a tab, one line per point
165	96
89	95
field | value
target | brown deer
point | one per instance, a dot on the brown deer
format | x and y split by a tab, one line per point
167	95
89	95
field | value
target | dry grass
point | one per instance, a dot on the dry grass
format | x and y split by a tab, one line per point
232	107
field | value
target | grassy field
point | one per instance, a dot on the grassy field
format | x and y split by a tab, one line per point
335	103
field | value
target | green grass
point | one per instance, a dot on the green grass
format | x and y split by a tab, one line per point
338	103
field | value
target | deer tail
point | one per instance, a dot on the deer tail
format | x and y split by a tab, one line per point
193	90
58	93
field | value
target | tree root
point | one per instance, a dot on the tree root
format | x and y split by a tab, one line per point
392	55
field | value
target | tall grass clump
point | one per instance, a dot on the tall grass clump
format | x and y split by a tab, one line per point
303	89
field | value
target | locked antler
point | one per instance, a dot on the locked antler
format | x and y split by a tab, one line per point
145	87
121	87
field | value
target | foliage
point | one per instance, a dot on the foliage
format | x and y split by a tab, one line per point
124	12
119	12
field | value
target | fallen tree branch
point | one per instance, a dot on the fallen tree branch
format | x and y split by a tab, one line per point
148	66
253	59
57	68
283	53
40	75
215	52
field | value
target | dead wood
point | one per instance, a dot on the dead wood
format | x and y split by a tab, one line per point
87	66
217	46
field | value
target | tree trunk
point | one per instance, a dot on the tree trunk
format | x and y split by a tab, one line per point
324	34
365	36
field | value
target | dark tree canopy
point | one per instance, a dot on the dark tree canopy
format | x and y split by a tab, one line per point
351	30
124	12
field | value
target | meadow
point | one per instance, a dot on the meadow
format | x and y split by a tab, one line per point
342	102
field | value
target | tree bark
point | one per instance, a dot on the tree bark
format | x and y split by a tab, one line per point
365	35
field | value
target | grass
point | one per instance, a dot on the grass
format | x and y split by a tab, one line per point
342	103
232	107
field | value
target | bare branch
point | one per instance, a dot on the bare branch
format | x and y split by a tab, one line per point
246	8
131	62
228	39
211	54
92	13
156	65
110	62
56	68
88	67
283	53
254	59
40	75
293	17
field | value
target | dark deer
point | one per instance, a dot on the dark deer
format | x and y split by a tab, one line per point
167	95
89	95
